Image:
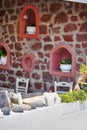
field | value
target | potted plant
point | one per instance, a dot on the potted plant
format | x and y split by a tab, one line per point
82	81
74	101
31	28
73	96
3	56
0	55
65	65
69	102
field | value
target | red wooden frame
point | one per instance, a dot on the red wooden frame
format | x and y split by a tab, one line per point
22	33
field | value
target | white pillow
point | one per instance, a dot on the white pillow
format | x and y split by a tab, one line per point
13	98
8	102
1	114
51	98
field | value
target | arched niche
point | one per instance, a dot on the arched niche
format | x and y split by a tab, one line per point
5	48
56	54
29	16
28	62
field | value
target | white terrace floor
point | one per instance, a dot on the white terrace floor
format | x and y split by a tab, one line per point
45	118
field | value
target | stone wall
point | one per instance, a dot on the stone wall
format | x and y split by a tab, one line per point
60	22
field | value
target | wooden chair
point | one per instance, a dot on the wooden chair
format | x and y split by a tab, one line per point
22	85
63	87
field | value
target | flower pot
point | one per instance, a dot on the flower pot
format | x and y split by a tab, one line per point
3	60
70	107
73	107
65	67
31	30
82	105
0	61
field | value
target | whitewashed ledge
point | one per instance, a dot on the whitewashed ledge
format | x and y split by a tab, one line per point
6	89
68	108
63	108
56	109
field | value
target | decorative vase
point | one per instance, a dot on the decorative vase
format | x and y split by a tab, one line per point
82	105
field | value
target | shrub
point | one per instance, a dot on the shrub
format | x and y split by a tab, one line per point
81	96
73	96
65	61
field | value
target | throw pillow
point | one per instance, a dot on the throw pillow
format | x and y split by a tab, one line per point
17	109
33	105
15	98
38	103
51	98
2	99
6	110
26	107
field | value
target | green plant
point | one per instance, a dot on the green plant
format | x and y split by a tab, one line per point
81	95
65	61
3	53
83	70
32	25
83	75
73	96
68	97
0	53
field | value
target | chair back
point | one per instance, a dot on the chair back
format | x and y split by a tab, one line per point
63	87
22	85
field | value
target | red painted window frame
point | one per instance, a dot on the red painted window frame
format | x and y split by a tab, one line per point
8	65
55	58
22	23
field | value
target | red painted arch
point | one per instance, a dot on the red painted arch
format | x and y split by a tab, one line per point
56	54
23	22
8	65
